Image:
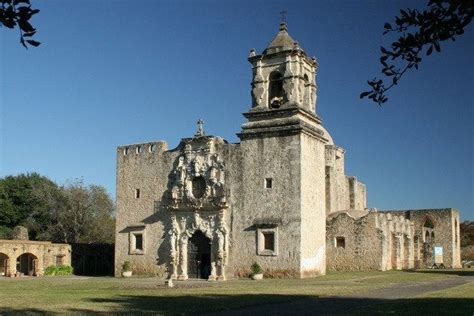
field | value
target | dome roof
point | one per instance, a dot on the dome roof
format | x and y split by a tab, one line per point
326	135
281	42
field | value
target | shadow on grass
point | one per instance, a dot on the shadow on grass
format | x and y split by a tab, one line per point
266	304
445	271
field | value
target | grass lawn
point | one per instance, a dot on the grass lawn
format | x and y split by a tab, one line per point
107	294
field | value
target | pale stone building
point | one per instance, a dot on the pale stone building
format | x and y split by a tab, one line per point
209	209
21	256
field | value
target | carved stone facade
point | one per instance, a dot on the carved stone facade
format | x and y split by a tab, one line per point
281	198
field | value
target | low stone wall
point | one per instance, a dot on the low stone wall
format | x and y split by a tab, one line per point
39	256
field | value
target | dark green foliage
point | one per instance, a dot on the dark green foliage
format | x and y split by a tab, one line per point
467	233
5	232
59	270
126	266
74	213
256	268
443	20
22	201
17	13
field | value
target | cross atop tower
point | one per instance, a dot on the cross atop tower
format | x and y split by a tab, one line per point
200	130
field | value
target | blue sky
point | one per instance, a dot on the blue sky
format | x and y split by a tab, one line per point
118	72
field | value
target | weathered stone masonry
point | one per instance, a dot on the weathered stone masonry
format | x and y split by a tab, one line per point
280	197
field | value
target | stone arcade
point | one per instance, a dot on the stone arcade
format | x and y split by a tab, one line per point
209	209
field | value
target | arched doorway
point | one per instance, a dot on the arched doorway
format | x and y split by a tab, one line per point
3	264
27	264
199	256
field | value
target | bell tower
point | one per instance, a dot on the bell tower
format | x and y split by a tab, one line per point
283	161
283	75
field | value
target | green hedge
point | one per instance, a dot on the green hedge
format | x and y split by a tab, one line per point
59	270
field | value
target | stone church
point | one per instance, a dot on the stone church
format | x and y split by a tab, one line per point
209	209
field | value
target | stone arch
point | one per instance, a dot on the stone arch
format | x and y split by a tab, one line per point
4	259
27	263
428	230
275	90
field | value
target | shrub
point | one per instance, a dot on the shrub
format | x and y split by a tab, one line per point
126	266
256	268
59	270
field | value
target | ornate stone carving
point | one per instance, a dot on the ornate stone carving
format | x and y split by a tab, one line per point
198	180
213	226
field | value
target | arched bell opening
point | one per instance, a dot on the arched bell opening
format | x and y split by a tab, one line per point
27	264
199	256
275	90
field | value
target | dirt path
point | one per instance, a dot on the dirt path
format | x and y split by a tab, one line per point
345	304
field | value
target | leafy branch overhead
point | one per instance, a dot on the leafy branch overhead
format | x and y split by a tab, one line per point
17	13
421	33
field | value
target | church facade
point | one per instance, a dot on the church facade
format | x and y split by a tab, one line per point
280	197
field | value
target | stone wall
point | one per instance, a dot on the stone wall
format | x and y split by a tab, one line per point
362	241
44	253
276	208
144	167
353	242
342	192
446	235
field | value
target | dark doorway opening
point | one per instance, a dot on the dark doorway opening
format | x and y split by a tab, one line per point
26	264
199	256
3	264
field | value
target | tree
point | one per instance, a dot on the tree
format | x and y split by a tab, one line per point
17	13
72	213
421	32
22	201
86	216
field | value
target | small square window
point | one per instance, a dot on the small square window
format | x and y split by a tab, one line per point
267	241
137	193
59	261
340	242
138	241
268	183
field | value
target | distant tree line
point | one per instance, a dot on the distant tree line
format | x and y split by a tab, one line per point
72	213
467	240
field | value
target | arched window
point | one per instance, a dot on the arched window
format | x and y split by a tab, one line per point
428	229
275	90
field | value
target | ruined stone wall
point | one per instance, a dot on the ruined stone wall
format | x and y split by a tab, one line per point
44	251
446	235
360	197
144	167
397	234
342	192
362	247
276	208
